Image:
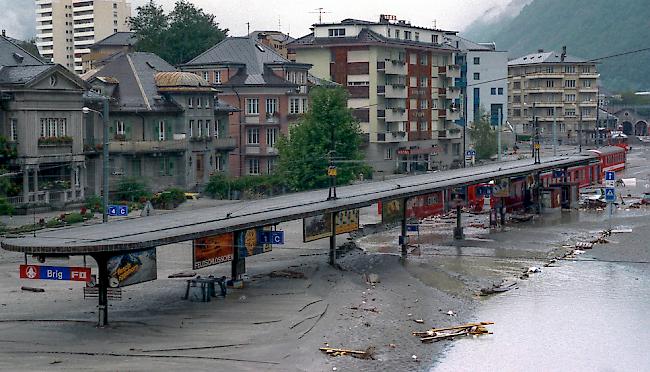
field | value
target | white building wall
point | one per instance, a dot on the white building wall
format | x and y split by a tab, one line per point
493	76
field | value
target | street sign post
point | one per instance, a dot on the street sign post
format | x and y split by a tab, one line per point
610	193
75	274
413	227
610	179
118	210
271	237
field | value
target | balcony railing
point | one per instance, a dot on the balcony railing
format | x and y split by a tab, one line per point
147	146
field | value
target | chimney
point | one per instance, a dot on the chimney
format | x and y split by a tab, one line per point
540	50
563	55
4	33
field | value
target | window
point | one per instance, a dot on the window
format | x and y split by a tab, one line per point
516	85
586	83
424	104
271	106
190	101
53	127
270	166
424	126
550	112
477	60
455	148
570	112
271	136
215	132
424	82
206	75
253	166
493	91
407	35
570	69
434	39
13	127
549	69
253	136
294	105
417	36
197	102
207	128
305	104
252	106
570	97
477	76
388	155
217	77
119	127
191	128
199	126
161	130
550	83
336	32
424	60
570	83
500	91
396	34
220	162
585	69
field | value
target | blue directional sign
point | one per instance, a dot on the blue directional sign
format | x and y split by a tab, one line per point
484	191
470	153
413	228
558	173
610	176
610	194
271	237
118	210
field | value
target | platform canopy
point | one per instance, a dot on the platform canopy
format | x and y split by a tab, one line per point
146	232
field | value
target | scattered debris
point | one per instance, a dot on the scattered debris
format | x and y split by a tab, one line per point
419	320
437	334
369	353
414	357
372	309
32	289
534	269
371	279
287	274
584	245
451	313
189	274
620	231
504	286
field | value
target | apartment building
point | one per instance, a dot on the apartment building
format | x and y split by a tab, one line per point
274	39
65	29
554	87
268	90
402	85
166	127
41	118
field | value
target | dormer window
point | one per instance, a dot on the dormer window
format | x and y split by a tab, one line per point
336	32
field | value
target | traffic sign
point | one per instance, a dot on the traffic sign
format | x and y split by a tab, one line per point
118	210
76	274
271	237
484	191
470	153
413	227
610	176
610	195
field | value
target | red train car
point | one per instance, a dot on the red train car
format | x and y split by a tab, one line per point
612	158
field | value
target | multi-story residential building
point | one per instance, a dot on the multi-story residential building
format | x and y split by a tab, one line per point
268	90
66	28
103	50
402	85
275	39
553	87
41	117
485	71
165	125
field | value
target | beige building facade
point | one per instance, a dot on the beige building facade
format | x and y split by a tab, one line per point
558	92
65	29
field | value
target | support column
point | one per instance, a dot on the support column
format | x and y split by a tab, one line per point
404	232
35	179
332	257
234	269
458	231
502	212
82	182
73	178
102	286
538	184
25	184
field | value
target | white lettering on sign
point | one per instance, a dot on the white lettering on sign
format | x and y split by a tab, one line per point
54	274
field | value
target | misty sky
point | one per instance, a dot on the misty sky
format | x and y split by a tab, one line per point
294	15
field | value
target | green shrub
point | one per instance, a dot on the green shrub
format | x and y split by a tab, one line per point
251	186
73	218
168	199
94	203
55	222
6	209
130	189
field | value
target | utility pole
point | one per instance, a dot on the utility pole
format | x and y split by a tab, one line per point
554	131
105	114
499	149
580	132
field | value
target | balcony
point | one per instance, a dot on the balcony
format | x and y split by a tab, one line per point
546	90
226	143
588	104
545	75
453	71
453	93
441	113
589	75
391	137
442	70
419	136
392	67
396	91
143	147
396	115
449	134
453	114
258	150
588	89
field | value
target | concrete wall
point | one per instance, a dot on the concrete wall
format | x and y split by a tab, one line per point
493	70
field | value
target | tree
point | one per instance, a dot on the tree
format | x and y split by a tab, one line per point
304	154
484	137
177	37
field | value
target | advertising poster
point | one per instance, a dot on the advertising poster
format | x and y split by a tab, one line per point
391	211
423	206
247	242
132	268
212	250
318	227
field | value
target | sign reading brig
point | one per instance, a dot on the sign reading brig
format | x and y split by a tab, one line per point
212	250
75	274
132	268
319	227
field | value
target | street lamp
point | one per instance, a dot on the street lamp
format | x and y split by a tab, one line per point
104	115
579	128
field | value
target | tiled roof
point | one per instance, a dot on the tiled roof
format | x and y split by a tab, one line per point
135	73
545	57
365	36
117	39
19	75
13	55
275	35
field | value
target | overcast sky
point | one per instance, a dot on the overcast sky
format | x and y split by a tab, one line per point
294	16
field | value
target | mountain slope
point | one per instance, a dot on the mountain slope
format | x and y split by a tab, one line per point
589	29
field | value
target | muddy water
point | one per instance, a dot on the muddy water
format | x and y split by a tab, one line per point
581	316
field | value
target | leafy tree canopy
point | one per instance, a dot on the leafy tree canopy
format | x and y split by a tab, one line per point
179	36
484	137
304	154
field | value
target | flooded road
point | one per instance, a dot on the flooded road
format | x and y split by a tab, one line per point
581	316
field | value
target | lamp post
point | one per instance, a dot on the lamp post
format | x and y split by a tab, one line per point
104	115
499	149
554	131
579	128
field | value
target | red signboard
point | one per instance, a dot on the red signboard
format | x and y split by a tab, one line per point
75	274
212	250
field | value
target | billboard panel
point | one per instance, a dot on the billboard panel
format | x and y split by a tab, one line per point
319	227
212	250
132	268
247	242
391	211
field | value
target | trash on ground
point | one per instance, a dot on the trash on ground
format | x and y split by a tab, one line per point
451	313
371	279
287	274
189	274
419	320
498	288
534	269
32	289
621	231
584	245
369	353
437	334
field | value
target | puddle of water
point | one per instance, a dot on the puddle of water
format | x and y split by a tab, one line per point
582	316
